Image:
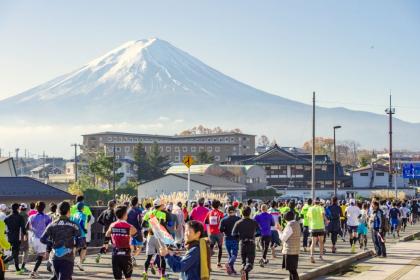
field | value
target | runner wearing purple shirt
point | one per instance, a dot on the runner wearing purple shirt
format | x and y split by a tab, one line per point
265	221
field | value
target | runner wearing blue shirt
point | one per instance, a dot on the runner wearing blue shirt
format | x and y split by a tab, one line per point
265	221
80	219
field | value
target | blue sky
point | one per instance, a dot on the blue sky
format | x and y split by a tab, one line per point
351	52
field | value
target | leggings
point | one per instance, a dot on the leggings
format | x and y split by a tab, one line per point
159	261
38	262
265	242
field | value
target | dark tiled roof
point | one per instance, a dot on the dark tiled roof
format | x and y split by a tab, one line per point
24	187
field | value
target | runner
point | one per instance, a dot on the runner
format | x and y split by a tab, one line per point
362	229
245	230
352	214
265	222
334	226
152	249
134	218
316	215
15	228
394	218
405	213
304	216
36	226
414	212
120	233
62	236
24	244
231	242
343	219
215	236
275	239
179	231
32	210
106	218
80	219
199	213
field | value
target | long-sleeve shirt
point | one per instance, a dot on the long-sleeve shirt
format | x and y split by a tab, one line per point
4	244
265	221
376	220
15	226
245	229
227	224
286	233
188	265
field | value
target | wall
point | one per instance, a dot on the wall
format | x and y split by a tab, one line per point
6	169
168	184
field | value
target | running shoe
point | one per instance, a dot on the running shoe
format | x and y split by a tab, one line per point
353	249
219	265
133	260
145	276
243	275
80	267
312	259
228	269
262	263
98	258
34	275
153	269
19	272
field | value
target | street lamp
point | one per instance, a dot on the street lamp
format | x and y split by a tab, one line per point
335	162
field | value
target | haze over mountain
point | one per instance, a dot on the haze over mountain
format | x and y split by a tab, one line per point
149	81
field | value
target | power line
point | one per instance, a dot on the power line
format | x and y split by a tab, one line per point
367	104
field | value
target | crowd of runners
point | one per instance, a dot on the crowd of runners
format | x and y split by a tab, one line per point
60	234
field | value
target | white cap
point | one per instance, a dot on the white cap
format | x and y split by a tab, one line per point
24	206
352	201
157	202
3	207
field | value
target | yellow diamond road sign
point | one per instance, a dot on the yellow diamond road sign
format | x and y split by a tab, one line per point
188	161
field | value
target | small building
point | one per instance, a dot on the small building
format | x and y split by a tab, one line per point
43	171
253	176
26	189
172	183
7	167
376	176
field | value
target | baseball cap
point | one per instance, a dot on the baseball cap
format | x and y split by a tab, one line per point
80	206
157	202
23	206
235	204
3	207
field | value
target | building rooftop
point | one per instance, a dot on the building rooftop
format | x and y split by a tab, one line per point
24	188
166	136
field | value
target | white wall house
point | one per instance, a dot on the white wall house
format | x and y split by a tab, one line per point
199	183
376	176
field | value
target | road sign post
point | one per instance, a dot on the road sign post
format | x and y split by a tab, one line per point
188	161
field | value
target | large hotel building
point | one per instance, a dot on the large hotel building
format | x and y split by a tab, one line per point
219	145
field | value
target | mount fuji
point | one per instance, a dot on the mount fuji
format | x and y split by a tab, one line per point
143	81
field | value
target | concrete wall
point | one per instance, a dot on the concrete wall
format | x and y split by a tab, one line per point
378	181
167	185
7	169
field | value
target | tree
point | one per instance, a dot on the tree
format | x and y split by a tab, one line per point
323	146
142	163
264	141
102	169
202	130
156	162
204	157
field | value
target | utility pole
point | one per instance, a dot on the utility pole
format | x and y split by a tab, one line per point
113	173
313	147
17	158
390	111
75	161
43	164
335	162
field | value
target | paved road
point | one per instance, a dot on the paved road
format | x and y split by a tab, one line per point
402	262
272	271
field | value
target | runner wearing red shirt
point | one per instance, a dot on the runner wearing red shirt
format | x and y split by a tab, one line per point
213	219
121	233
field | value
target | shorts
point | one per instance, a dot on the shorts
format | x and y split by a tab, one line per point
275	238
82	243
317	232
122	265
362	229
216	239
352	229
24	246
394	223
135	241
37	246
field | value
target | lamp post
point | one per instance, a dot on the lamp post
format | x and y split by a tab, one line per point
335	162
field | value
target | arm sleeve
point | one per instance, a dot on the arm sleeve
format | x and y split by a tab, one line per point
222	226
235	230
179	264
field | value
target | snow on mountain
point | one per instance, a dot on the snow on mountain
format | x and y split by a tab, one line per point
141	81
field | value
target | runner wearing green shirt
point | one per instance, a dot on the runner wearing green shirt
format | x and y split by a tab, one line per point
316	225
157	212
86	209
304	216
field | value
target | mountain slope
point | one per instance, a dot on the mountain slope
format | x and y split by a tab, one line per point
141	81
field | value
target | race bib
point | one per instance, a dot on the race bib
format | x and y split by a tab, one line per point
213	220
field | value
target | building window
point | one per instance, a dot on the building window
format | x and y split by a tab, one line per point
110	139
217	149
217	158
168	149
364	174
380	173
232	139
214	139
127	149
193	149
176	158
227	139
209	139
176	149
220	139
201	148
118	149
185	149
130	139
234	148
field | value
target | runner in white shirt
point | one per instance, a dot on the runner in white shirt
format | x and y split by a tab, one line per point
405	213
353	213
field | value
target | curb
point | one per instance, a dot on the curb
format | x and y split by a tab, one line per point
410	237
334	266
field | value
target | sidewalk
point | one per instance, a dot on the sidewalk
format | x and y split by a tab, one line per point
403	262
